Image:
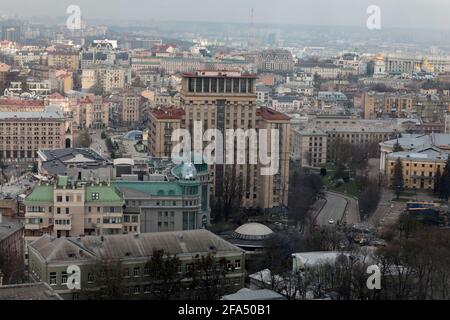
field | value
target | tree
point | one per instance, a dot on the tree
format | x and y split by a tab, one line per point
304	190
11	266
444	186
370	196
437	181
208	276
397	147
397	178
109	283
84	139
230	199
166	280
35	167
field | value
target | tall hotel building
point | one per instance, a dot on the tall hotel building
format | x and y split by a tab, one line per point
227	100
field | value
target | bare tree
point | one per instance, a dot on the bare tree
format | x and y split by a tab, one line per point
108	281
208	277
165	275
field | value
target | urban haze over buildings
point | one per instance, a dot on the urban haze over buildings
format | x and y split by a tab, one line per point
97	201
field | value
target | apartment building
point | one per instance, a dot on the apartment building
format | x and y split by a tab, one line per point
49	258
162	122
23	133
322	69
105	78
286	103
11	250
127	104
377	104
275	60
63	60
344	129
73	208
91	112
227	100
309	146
273	188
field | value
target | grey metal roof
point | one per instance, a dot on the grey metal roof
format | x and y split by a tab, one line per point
50	112
8	228
56	159
128	246
28	291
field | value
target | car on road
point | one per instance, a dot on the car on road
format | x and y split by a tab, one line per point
331	221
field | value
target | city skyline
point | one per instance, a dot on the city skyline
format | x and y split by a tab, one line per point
418	14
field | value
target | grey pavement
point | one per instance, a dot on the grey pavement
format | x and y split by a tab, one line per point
334	209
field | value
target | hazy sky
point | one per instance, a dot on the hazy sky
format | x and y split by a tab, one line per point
394	13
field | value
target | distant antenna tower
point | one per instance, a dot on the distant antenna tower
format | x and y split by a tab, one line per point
251	34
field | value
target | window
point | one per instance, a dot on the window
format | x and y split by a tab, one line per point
136	271
137	290
52	278
146	271
95	196
59	198
237	264
64	277
90	277
126	272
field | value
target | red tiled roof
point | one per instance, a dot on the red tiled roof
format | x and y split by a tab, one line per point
55	95
20	102
167	113
86	100
270	114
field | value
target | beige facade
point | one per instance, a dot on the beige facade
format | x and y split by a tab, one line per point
394	104
64	60
129	108
273	189
23	133
309	147
163	121
418	172
71	209
107	79
227	100
92	112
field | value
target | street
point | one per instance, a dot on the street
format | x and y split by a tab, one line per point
334	209
98	144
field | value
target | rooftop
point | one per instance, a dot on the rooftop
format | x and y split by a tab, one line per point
218	74
21	102
252	231
50	112
7	229
167	113
146	188
88	248
270	114
28	291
